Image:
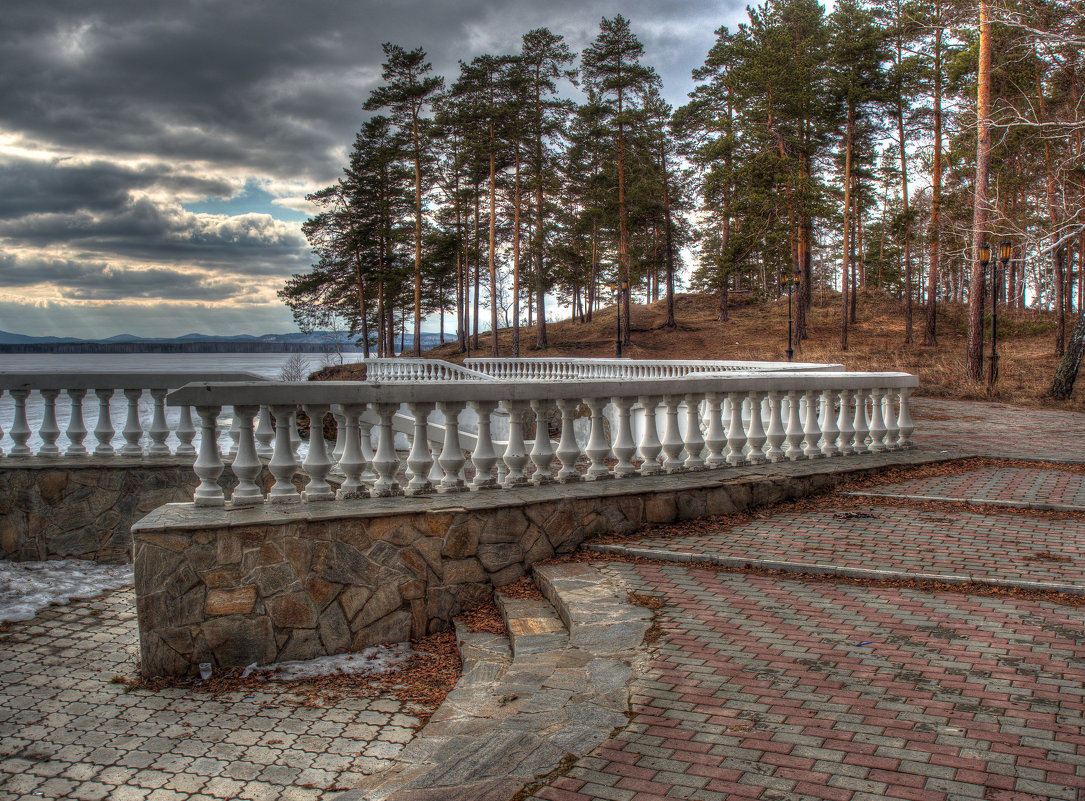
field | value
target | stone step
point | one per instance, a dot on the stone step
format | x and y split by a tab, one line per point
597	618
528	701
533	624
484	657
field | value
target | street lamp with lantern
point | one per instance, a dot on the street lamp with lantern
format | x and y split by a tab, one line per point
620	288
790	283
1005	251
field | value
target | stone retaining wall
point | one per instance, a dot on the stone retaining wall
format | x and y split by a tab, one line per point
79	509
278	582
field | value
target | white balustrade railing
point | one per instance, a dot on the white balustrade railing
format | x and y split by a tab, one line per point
45	415
658	425
405	369
559	369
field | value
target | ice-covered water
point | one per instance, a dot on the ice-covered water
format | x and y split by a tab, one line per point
268	365
28	587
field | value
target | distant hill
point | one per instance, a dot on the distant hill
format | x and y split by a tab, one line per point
314	342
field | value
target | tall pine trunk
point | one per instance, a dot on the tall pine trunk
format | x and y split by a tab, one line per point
516	260
930	331
974	354
845	262
492	263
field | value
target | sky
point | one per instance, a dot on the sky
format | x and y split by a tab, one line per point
155	157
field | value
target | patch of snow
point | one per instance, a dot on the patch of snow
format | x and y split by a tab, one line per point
377	659
28	587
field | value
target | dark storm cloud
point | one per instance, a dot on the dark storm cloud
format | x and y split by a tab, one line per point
274	86
160	104
34	186
91	280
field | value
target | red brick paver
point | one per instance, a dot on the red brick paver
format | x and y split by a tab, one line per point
980	546
1007	486
781	689
999	430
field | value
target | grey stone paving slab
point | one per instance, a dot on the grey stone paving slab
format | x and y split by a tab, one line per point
545	704
69	729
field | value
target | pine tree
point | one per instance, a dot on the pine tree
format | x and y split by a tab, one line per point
611	67
409	93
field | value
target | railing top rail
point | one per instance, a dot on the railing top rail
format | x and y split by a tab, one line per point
131	379
696	364
205	393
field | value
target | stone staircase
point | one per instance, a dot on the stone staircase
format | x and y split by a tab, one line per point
555	687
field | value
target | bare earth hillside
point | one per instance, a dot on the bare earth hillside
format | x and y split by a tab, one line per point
758	331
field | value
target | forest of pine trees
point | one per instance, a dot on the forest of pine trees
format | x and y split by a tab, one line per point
876	146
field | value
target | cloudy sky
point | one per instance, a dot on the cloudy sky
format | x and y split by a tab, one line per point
154	157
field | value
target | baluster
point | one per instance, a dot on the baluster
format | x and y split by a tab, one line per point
420	460
813	428
284	463
598	449
736	436
650	446
352	462
49	431
77	429
877	425
265	433
672	439
624	447
159	430
317	464
186	432
483	457
568	449
794	427
246	465
776	434
904	422
295	437
365	429
889	416
386	461
340	437
235	435
829	431
208	464
515	457
103	430
756	437
20	429
694	438
860	423
715	438
846	440
542	453
133	428
451	458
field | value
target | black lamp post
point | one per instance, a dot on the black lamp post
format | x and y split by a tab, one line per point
790	282
620	287
1005	250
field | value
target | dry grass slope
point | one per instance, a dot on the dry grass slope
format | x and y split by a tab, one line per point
758	331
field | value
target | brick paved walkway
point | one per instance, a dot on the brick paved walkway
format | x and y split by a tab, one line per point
67	731
782	689
978	546
998	430
999	486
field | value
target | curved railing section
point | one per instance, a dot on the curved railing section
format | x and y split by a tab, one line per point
382	369
560	369
41	402
658	426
